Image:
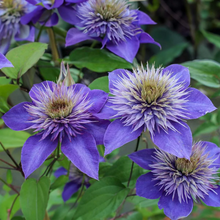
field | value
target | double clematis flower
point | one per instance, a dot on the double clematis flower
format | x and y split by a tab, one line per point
4	62
179	182
111	22
61	115
11	13
158	100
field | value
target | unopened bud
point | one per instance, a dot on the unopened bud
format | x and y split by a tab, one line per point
65	76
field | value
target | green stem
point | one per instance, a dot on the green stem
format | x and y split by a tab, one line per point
10	186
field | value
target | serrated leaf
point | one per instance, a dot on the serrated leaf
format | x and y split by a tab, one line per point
34	197
100	83
23	58
97	60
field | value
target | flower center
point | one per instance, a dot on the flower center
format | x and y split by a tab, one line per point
12	7
186	166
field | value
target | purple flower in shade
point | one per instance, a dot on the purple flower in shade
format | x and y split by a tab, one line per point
157	100
75	183
111	22
65	115
11	12
4	62
178	181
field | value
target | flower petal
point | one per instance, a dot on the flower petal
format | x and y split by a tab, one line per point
146	38
75	36
17	118
176	143
125	49
180	72
59	172
69	189
4	62
98	129
198	104
144	18
117	134
83	153
35	152
147	187
143	158
26	32
52	21
68	14
212	199
173	208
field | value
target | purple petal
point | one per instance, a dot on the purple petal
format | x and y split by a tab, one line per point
75	36
4	62
5	44
144	18
69	189
17	118
26	33
68	14
143	158
83	153
198	104
32	16
176	143
107	112
98	99
146	38
212	199
52	21
59	172
98	129
58	3
117	134
147	187
125	49
180	72
35	152
81	88
173	208
76	1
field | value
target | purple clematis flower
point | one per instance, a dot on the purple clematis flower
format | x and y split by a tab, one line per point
11	12
157	100
62	115
111	22
4	62
177	181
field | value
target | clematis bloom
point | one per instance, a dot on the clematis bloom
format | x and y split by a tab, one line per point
179	182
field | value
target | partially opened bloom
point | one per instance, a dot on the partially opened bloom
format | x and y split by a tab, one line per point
4	62
60	114
111	22
11	12
158	100
177	181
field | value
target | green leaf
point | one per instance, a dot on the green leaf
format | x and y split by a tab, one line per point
142	202
19	137
34	197
60	181
4	107
4	80
204	71
97	60
205	128
165	57
23	58
121	170
6	90
9	177
212	38
100	83
101	199
18	218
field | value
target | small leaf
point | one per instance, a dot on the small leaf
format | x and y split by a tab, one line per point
9	177
19	137
100	83
205	128
23	58
204	71
60	181
212	38
101	199
97	60
34	197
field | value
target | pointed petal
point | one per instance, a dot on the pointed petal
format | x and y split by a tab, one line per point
4	62
144	18
212	199
180	72
26	32
17	118
125	49
173	208
176	143
69	189
58	3
146	187
83	153
68	14
146	38
118	135
75	36
52	21
198	104
143	158
35	152
59	172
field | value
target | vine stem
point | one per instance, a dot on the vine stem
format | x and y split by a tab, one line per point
10	186
10	210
